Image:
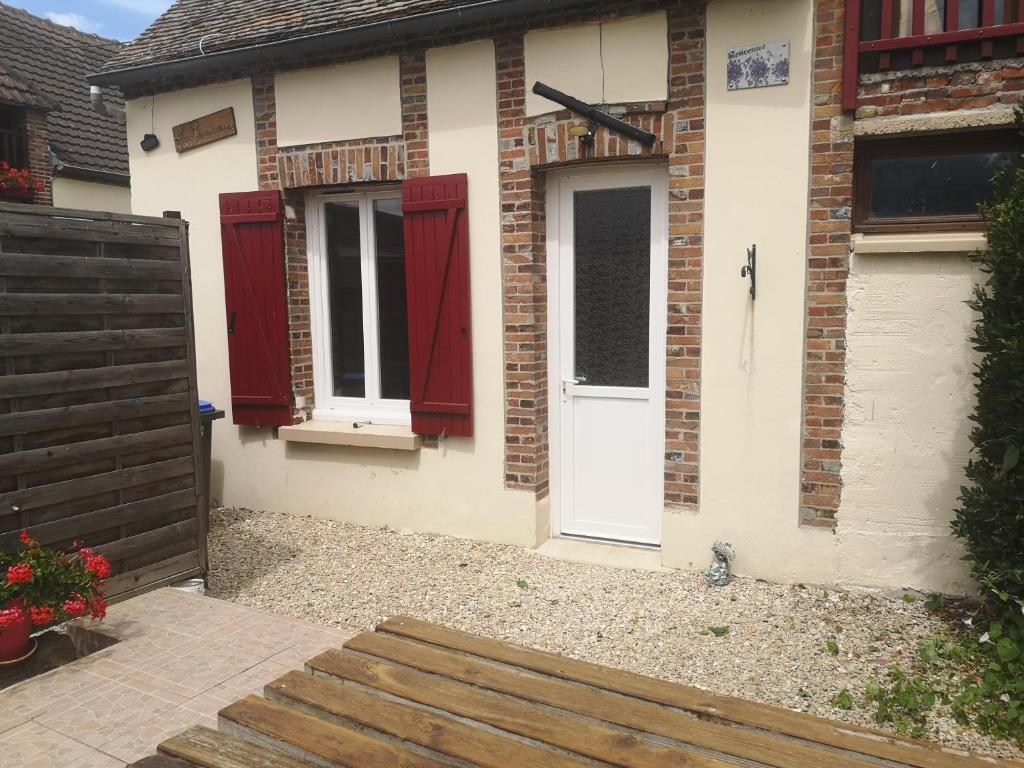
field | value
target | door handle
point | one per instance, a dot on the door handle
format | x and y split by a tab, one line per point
578	379
231	323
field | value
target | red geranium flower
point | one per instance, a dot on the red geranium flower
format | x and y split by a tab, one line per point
42	615
50	585
99	607
99	566
76	606
11	616
19	574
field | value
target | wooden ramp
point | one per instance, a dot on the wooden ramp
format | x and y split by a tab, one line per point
417	695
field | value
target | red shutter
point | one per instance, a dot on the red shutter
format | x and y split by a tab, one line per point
437	284
257	319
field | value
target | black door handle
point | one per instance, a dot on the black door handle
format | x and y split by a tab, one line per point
231	323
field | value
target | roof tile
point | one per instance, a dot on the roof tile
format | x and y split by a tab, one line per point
225	25
50	62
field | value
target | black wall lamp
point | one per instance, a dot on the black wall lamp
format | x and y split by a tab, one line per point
751	270
149	142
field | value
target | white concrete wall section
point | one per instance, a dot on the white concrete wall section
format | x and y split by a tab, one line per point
909	392
191	182
457	489
462	115
752	358
612	62
91	195
347	101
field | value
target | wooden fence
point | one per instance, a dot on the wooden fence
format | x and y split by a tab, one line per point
99	429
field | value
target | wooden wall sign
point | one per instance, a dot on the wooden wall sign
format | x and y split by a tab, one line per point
204	130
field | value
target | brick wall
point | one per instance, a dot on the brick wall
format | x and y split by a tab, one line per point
39	164
531	145
295	169
991	86
528	146
976	85
684	134
828	265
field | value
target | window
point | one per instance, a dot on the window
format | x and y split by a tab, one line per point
928	183
12	139
358	307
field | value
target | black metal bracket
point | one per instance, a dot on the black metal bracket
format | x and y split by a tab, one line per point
751	270
595	115
587	139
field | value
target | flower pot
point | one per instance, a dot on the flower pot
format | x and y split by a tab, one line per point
16	194
15	643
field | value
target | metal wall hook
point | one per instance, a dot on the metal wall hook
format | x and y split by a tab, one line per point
751	270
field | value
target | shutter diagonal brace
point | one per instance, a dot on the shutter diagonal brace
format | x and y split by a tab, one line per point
243	267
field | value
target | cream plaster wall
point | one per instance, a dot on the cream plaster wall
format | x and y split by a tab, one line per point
909	392
752	359
615	61
456	489
346	101
91	195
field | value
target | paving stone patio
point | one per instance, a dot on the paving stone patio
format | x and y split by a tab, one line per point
180	659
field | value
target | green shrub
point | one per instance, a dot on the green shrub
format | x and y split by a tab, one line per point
990	519
977	675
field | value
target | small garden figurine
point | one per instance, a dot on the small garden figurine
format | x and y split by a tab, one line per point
40	587
718	573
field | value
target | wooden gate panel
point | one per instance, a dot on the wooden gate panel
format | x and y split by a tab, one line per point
99	429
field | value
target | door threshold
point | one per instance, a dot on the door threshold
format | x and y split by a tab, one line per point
582	549
609	542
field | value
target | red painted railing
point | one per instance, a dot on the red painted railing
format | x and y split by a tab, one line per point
985	22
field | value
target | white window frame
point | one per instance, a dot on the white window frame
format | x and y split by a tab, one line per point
327	406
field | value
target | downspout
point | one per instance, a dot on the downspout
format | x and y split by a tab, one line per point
101	107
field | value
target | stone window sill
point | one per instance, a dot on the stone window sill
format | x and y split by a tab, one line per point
386	436
931	242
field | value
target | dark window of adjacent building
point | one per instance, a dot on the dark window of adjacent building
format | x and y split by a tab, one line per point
12	138
929	183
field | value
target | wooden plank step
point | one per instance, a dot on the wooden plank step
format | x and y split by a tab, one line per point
161	761
327	743
767	748
611	745
774	719
206	748
436	731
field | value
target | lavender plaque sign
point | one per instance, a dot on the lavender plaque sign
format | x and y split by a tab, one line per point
758	66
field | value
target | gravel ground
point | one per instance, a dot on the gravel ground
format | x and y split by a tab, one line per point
653	623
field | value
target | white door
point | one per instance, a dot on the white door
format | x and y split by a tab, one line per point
607	273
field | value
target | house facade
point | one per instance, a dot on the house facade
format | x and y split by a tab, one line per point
76	157
435	299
